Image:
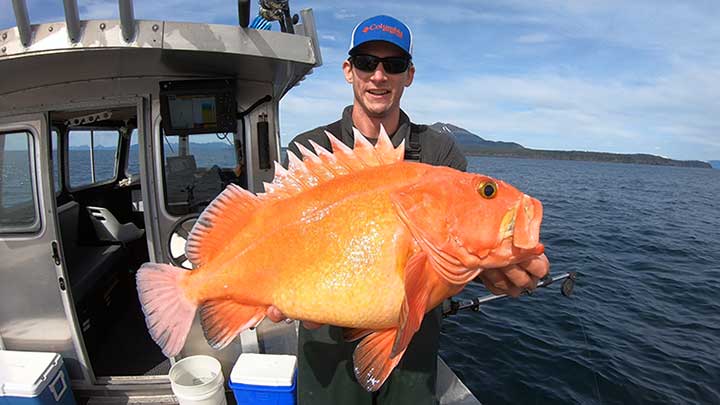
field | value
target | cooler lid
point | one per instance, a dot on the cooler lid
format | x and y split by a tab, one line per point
26	374
270	370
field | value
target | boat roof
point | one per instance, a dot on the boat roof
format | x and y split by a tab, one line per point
48	56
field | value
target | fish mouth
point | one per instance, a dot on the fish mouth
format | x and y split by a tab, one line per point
521	224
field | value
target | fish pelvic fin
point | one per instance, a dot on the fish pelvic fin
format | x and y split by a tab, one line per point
372	361
223	320
168	312
417	292
322	166
222	219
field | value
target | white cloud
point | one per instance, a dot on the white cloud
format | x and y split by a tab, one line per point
344	14
536	38
545	111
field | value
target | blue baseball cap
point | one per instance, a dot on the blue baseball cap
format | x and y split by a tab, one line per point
382	28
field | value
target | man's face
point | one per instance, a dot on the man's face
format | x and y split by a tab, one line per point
378	92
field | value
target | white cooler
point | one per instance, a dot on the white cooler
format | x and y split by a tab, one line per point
264	379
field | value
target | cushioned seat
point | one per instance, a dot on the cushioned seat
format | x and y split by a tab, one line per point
108	228
87	262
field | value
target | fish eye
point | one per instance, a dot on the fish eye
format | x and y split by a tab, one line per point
487	189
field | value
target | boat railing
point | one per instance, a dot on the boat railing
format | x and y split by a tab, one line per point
25	38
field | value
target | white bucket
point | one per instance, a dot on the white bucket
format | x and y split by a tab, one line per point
198	380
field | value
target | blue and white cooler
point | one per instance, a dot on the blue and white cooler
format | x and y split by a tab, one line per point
267	379
33	378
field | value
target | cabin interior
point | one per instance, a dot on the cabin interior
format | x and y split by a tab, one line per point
96	170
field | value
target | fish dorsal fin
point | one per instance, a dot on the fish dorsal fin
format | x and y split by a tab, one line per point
322	166
221	220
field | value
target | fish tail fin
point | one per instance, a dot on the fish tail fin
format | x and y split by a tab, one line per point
168	313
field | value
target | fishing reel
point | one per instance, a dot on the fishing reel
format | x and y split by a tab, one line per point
279	10
451	307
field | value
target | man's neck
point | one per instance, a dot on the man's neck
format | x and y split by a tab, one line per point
370	126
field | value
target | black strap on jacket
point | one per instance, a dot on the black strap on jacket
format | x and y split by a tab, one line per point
412	144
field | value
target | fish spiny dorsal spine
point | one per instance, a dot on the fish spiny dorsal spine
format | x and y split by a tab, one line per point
322	166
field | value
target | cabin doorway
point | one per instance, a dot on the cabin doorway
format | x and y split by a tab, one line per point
98	191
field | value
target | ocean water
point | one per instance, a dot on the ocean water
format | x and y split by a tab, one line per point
643	324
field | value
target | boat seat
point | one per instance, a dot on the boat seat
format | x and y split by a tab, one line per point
87	261
108	228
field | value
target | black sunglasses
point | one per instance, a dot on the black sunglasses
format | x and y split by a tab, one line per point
392	65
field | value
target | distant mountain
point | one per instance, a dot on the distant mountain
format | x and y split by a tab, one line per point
474	145
715	163
87	147
469	141
194	146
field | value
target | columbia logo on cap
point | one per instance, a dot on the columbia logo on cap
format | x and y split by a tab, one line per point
387	28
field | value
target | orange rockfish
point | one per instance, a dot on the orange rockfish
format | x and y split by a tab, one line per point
356	238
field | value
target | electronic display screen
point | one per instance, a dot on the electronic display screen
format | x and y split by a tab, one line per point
198	106
192	112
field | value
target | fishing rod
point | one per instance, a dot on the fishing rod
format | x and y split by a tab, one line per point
451	307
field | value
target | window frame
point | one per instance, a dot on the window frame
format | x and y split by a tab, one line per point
116	174
60	180
33	147
163	173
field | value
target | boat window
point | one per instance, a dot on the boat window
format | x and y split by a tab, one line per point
197	168
92	156
55	156
133	167
18	202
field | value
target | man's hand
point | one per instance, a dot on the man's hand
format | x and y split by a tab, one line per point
514	279
276	316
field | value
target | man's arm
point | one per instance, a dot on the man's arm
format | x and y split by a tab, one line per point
453	157
440	149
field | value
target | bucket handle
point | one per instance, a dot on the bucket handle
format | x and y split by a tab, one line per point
57	395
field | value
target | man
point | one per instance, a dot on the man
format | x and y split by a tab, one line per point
379	69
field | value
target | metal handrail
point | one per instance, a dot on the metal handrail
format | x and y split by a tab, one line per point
72	20
23	21
127	19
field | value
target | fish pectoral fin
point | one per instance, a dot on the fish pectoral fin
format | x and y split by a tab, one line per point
220	221
372	361
353	334
417	291
223	320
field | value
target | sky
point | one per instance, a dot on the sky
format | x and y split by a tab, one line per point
639	76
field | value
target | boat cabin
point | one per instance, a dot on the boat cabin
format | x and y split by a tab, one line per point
114	136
